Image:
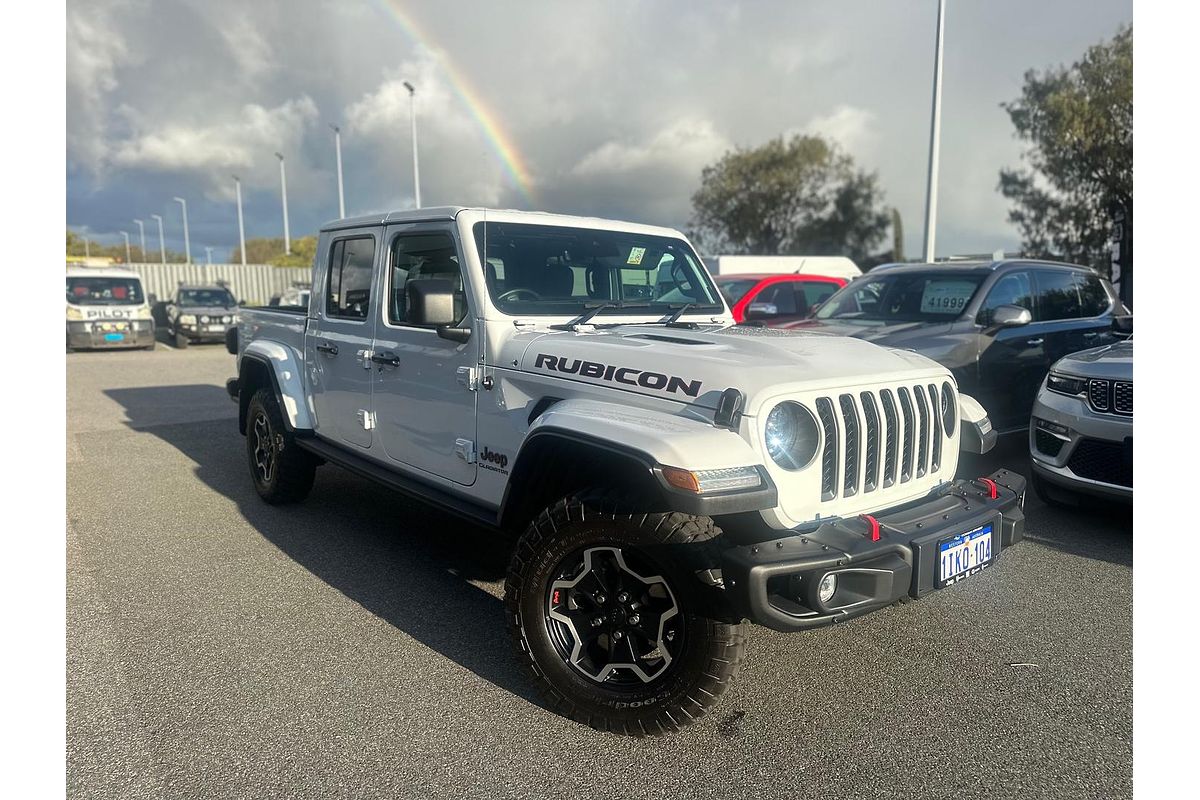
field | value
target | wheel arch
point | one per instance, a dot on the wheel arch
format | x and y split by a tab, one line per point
277	366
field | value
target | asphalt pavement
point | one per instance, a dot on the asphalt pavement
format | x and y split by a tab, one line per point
354	645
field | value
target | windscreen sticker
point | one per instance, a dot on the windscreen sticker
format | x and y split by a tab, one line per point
946	296
635	255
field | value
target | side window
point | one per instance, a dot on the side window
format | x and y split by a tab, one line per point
1093	299
1013	289
425	256
810	293
1058	296
351	269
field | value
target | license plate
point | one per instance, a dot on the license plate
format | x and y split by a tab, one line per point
215	328
114	337
964	554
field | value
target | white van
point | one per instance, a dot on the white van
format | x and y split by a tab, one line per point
106	309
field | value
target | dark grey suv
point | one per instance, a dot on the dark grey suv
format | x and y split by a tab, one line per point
998	325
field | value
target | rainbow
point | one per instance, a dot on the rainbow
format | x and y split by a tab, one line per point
500	141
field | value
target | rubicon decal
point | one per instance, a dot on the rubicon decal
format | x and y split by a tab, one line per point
616	374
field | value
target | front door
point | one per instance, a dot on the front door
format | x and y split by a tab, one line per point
423	400
1012	361
337	346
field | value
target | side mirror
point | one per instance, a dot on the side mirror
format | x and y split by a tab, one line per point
814	308
431	304
153	298
762	311
1123	325
1010	316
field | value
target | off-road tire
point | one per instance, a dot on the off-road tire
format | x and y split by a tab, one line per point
711	651
292	470
181	341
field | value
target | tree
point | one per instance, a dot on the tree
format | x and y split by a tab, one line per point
800	197
1078	121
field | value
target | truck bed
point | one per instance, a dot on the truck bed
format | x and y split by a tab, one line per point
281	324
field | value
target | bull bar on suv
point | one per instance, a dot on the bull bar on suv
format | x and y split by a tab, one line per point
878	560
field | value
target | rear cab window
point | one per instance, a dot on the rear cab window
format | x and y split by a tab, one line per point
351	271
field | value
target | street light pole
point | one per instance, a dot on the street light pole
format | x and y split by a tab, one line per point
287	239
337	146
142	232
237	185
187	242
128	255
935	139
87	248
208	256
162	247
412	107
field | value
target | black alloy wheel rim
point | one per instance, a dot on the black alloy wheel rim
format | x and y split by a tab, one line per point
613	617
265	448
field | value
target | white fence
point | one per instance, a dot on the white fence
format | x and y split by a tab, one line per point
254	283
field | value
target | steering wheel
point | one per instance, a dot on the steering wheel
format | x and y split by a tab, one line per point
520	290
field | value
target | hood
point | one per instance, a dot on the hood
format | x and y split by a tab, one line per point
1114	361
895	334
697	365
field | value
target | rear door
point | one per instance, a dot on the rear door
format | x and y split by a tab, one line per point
337	345
423	397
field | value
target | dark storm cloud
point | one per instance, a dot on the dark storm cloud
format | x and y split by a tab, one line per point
613	107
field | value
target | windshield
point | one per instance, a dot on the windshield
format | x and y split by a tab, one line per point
86	290
553	270
903	297
206	297
734	289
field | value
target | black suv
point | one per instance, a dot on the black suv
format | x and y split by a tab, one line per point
998	325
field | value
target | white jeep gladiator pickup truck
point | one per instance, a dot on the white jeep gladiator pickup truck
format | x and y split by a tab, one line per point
666	475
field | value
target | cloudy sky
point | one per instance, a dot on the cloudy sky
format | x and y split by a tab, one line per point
607	108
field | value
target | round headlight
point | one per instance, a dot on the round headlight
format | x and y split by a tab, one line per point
791	435
204	318
949	408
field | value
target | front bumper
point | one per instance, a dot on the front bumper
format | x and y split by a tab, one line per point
116	336
212	332
774	583
1079	449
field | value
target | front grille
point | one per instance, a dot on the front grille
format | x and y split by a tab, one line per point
1047	443
850	463
1123	397
1110	397
1106	462
870	444
871	457
889	448
906	465
829	455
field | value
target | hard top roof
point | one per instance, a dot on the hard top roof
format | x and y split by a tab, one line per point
447	213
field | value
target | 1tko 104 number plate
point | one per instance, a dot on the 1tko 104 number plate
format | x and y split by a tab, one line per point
965	554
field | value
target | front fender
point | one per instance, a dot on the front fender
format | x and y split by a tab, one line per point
977	435
663	439
286	367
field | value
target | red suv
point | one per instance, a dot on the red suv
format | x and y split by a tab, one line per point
776	299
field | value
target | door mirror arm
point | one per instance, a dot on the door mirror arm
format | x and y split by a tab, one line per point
454	334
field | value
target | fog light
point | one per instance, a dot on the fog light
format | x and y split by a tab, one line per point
827	587
1047	425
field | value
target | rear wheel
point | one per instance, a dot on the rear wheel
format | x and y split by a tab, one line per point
603	609
282	472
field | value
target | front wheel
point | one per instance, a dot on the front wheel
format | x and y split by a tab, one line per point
181	340
603	610
282	472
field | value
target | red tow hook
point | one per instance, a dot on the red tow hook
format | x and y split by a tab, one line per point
874	525
990	485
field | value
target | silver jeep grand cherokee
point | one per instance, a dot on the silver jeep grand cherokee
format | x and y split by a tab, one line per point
1081	432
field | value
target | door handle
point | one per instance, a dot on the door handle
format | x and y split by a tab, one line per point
1091	335
386	359
327	349
1034	342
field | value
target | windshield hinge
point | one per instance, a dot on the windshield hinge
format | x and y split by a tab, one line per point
468	377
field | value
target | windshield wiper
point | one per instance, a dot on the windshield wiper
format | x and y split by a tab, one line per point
673	320
586	316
